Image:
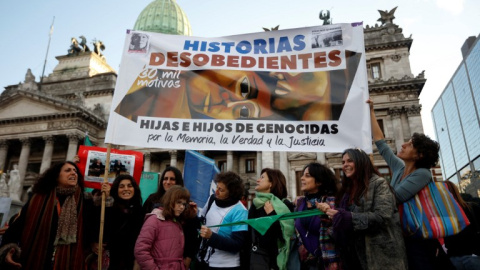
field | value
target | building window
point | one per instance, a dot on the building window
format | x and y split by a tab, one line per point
250	165
222	165
376	73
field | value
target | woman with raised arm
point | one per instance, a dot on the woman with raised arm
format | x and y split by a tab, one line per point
410	173
123	220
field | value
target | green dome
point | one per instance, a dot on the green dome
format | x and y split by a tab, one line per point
163	16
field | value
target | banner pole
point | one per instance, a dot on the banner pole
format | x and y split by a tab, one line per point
102	209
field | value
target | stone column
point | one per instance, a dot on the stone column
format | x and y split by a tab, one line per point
284	165
47	153
173	158
146	161
321	158
395	113
259	163
3	154
229	161
414	119
72	146
23	160
267	159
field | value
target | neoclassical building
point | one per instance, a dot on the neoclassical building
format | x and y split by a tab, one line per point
41	124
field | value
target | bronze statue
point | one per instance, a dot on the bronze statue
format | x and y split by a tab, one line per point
325	17
271	29
98	46
83	44
75	47
386	17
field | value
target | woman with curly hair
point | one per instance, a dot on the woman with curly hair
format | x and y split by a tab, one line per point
49	229
411	173
220	247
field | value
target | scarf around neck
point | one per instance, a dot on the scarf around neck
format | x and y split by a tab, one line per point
224	203
67	221
287	226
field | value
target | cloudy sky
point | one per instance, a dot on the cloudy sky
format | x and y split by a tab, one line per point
438	28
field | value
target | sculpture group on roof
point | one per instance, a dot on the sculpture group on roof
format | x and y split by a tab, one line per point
81	47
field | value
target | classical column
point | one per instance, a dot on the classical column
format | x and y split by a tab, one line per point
146	161
3	154
229	161
259	163
47	153
173	158
395	113
23	160
321	158
414	119
267	159
284	165
72	146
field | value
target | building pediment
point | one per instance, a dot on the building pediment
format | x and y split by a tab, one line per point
30	106
21	106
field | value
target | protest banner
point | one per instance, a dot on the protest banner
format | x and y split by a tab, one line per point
198	174
92	164
290	90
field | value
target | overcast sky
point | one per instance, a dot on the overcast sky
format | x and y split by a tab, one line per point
438	28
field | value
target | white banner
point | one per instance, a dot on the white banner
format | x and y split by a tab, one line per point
289	90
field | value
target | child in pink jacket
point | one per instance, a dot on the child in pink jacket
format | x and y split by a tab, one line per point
161	241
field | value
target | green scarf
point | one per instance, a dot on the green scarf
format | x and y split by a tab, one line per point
286	225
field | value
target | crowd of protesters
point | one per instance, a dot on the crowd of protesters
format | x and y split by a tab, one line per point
354	226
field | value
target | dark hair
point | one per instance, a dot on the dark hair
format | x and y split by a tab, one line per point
456	194
49	179
357	185
279	184
172	195
178	179
233	182
157	196
136	200
323	176
427	150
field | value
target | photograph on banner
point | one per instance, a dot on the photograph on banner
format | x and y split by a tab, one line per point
289	90
93	162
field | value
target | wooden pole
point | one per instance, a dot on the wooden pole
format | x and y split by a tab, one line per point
102	209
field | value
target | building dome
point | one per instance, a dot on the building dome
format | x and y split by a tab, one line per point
163	16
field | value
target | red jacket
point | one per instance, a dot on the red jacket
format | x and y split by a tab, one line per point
160	243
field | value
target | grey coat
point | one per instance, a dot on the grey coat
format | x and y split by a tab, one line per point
377	232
